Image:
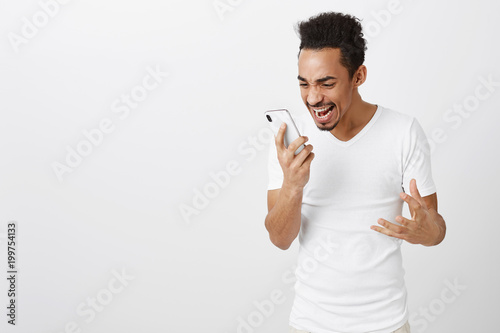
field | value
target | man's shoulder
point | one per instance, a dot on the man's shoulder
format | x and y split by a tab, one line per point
396	118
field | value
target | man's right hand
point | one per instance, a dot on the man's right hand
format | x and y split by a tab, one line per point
296	168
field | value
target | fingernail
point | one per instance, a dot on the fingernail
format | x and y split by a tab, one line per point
282	125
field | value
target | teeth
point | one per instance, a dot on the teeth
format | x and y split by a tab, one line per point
322	117
321	110
316	111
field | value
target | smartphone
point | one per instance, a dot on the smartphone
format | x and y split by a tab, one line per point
276	118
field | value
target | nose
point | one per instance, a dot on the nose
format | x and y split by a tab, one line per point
314	96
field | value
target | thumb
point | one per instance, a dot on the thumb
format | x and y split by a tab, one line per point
415	193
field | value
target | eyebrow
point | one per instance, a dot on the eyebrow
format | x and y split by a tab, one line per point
323	79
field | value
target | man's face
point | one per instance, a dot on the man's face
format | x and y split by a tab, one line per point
325	86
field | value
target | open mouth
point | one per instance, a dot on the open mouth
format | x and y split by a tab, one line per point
323	114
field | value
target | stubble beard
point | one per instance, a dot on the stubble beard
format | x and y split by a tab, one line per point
329	128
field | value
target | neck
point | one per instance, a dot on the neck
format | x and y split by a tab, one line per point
357	115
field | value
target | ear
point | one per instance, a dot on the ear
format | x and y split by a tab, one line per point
359	77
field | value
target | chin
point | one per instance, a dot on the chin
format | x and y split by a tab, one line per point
326	117
327	127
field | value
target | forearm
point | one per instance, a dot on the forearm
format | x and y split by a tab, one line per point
283	220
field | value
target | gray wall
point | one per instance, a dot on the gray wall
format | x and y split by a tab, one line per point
102	150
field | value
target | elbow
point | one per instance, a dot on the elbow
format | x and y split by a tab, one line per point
442	230
278	240
280	244
443	234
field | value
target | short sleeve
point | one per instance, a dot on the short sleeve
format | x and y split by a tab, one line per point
275	173
417	161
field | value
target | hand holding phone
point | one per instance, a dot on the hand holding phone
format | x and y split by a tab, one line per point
276	118
296	167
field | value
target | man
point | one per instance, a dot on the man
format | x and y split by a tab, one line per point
349	274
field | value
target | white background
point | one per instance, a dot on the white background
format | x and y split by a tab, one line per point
119	209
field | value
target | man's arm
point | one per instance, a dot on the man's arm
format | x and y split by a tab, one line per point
426	226
284	204
283	220
432	206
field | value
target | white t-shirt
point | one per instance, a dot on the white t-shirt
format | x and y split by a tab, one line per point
350	278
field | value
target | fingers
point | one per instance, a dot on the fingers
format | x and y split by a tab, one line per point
403	221
301	157
308	160
297	143
280	138
415	193
412	203
296	168
391	226
390	229
292	147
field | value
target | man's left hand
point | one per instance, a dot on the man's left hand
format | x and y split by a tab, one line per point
421	229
